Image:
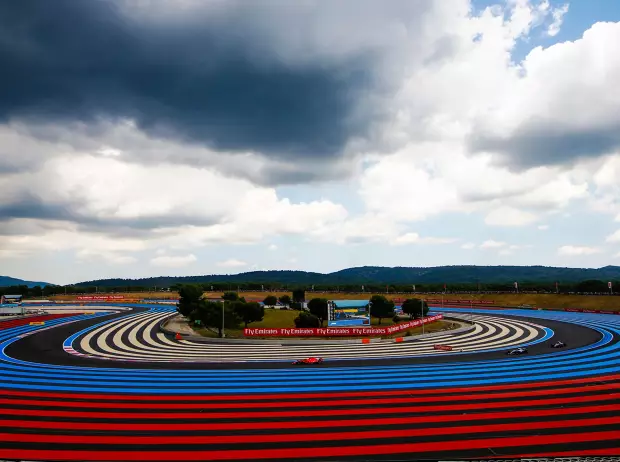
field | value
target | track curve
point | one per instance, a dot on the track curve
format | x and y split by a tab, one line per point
59	406
138	338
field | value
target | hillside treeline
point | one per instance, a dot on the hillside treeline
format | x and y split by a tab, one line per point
588	287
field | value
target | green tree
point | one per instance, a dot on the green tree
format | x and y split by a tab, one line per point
210	315
249	312
381	307
414	307
190	297
299	295
230	296
318	307
270	300
307	320
285	299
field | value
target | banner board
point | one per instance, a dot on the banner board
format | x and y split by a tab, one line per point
576	310
100	298
338	331
443	347
453	301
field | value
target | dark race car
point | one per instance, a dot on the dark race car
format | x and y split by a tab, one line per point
311	360
517	351
558	344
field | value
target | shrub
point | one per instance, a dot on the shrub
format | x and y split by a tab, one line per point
307	320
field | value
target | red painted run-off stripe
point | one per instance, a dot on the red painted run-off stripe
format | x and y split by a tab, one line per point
25	321
301	437
315	403
290	424
295	396
313	412
309	452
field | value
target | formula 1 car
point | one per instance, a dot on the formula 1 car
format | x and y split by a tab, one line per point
311	360
517	351
558	344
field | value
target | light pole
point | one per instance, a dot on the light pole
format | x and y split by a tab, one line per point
223	305
422	312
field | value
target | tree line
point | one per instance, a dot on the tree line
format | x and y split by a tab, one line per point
583	287
233	310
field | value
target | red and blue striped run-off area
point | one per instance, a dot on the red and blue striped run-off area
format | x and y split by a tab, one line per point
110	386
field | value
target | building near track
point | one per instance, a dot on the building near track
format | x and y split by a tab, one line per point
348	313
11	305
10	299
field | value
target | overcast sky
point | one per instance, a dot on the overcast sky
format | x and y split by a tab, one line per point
190	137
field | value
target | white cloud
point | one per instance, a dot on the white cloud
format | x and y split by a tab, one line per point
414	238
112	183
558	17
209	208
272	247
511	249
231	263
114	258
423	180
615	237
68	237
509	216
572	251
491	244
170	261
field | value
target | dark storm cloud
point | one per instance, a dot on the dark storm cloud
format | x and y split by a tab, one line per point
31	207
67	60
540	143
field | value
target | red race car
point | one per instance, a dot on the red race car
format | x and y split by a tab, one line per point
309	361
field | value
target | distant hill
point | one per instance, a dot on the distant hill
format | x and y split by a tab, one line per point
386	275
7	281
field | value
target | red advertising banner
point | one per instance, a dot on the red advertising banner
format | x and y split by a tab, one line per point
452	301
337	331
443	347
100	298
576	310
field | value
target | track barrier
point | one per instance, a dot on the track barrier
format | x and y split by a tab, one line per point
338	331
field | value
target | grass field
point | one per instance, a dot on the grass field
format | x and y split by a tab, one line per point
539	300
593	302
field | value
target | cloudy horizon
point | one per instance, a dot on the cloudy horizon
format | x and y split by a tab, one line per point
189	137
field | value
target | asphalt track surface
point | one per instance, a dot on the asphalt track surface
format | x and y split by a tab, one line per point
60	406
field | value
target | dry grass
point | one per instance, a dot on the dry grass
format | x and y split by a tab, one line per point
539	300
590	302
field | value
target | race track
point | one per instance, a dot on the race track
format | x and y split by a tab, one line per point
110	386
